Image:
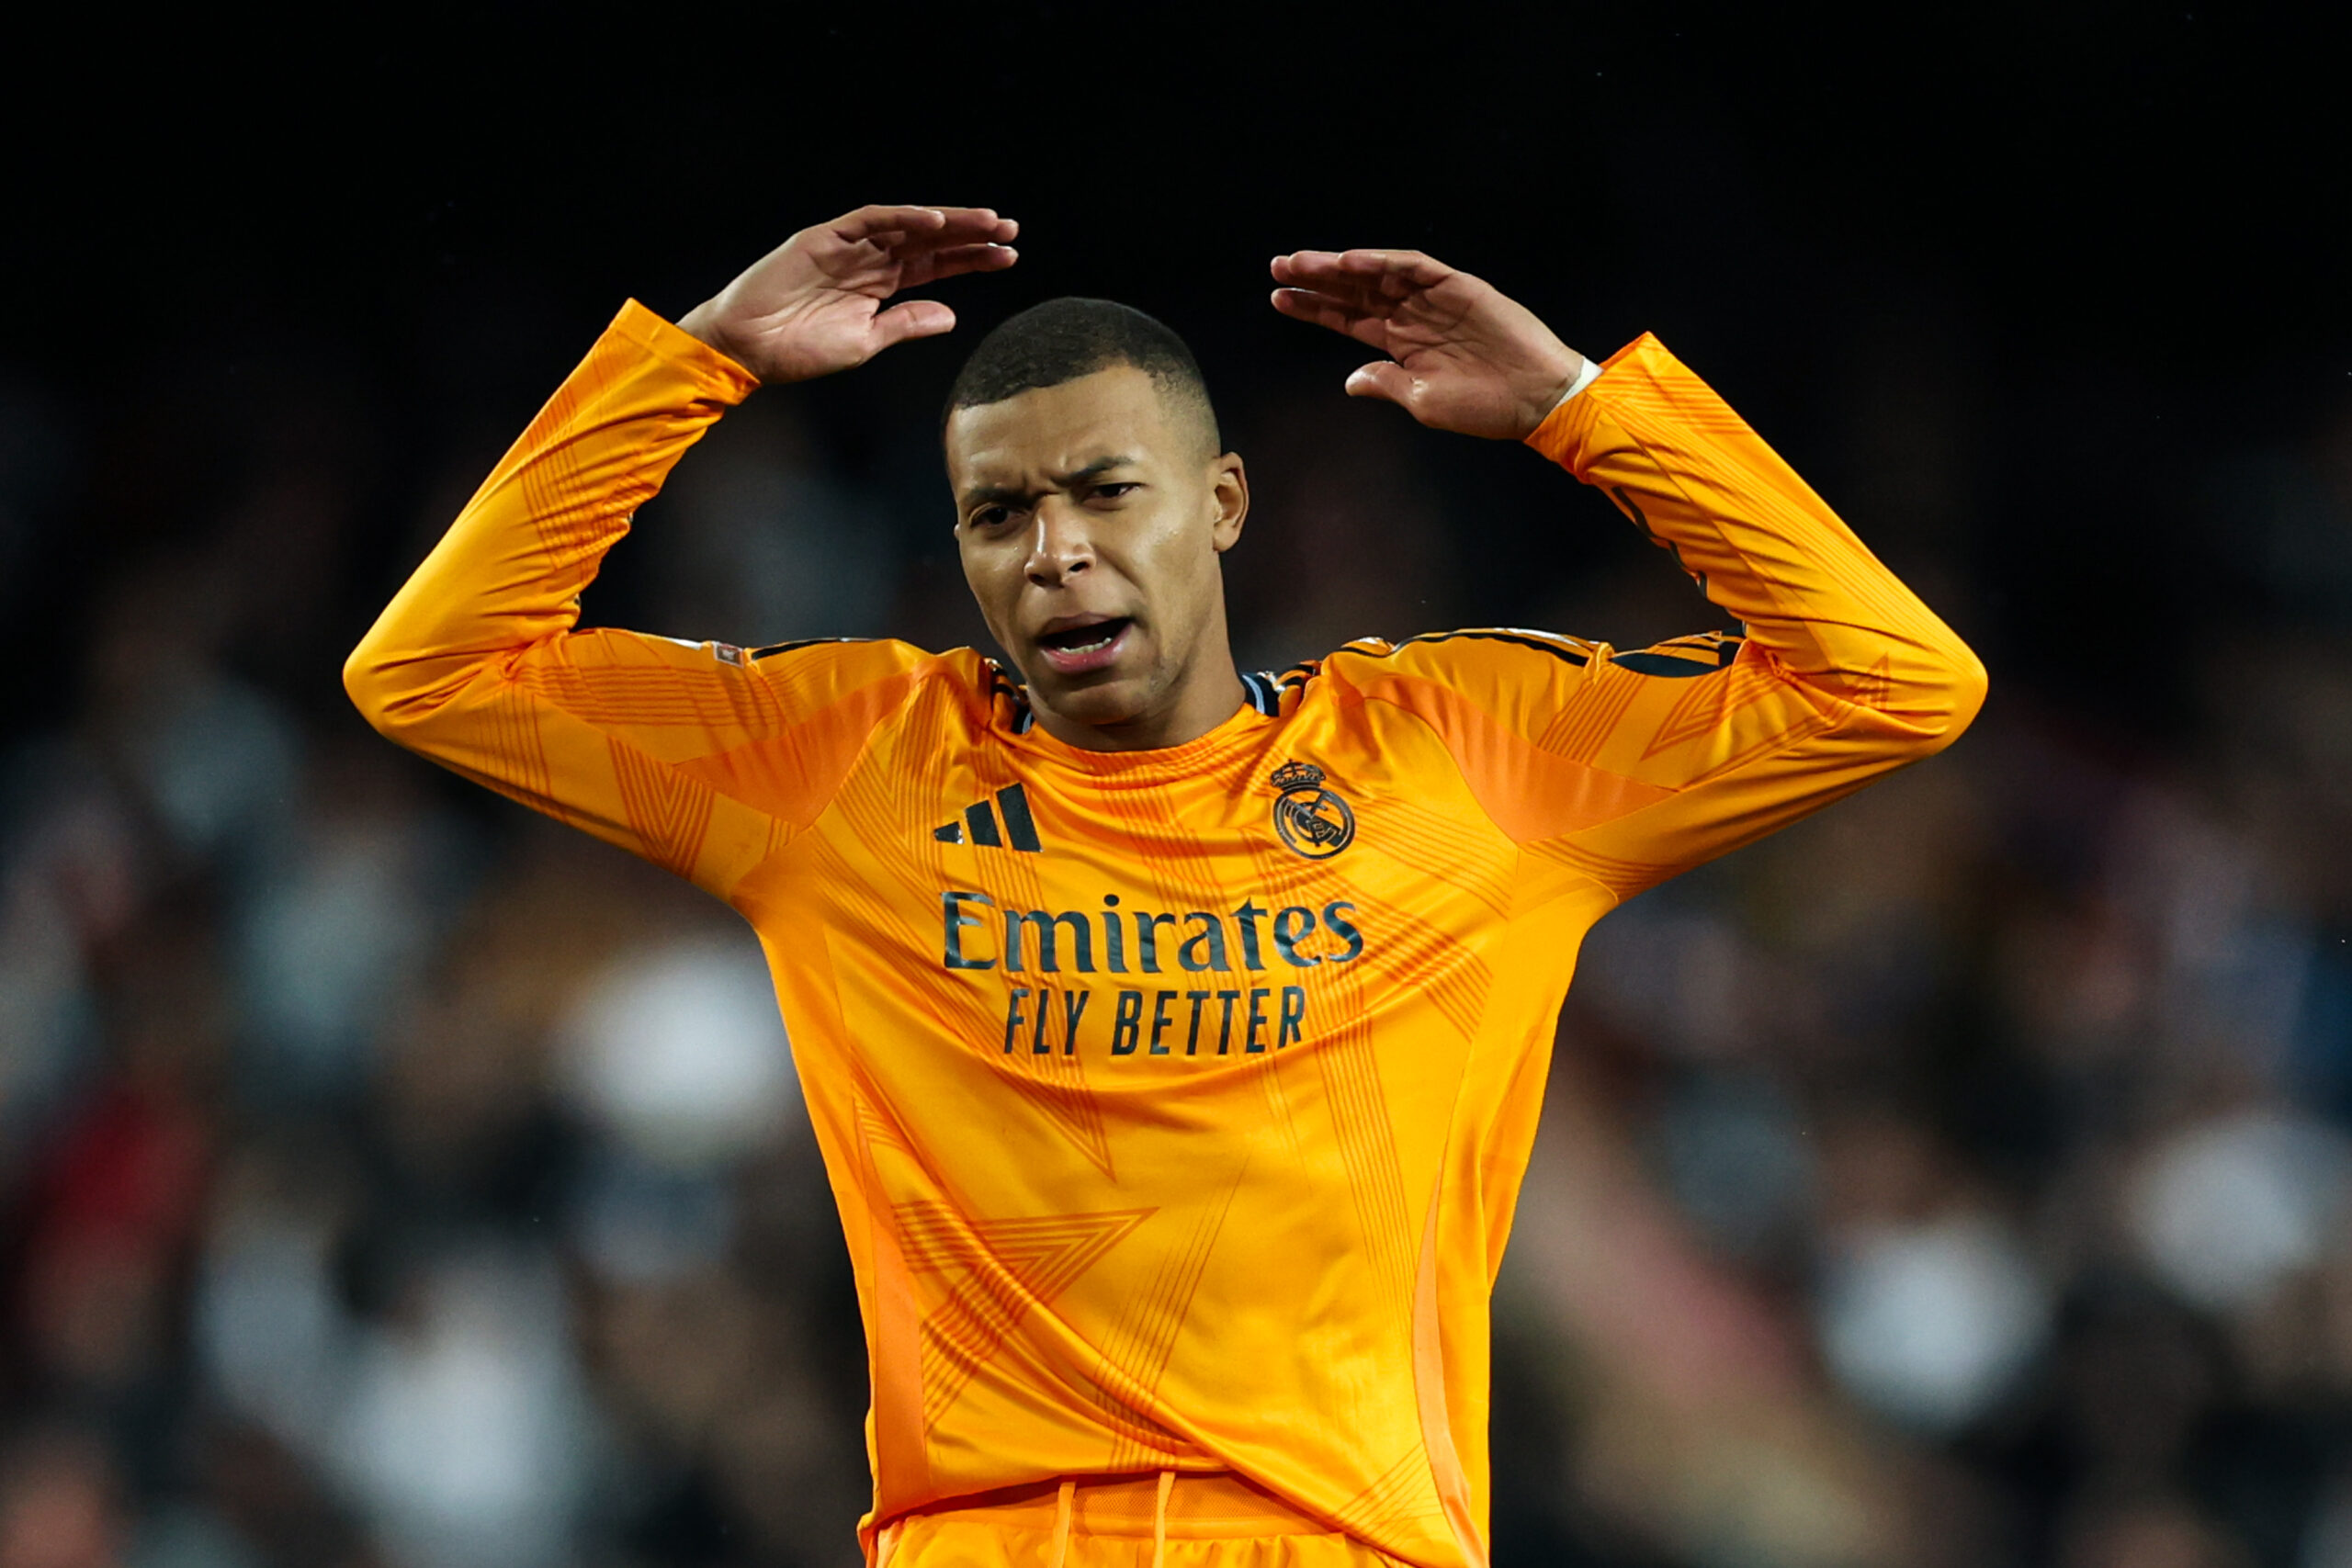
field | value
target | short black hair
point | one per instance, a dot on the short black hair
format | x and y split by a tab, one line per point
1064	339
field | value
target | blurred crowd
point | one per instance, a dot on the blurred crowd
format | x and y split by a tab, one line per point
387	1178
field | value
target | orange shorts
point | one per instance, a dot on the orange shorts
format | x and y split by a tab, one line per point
1214	1521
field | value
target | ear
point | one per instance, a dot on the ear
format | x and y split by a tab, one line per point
1229	495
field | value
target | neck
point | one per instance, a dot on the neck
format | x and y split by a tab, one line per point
1203	697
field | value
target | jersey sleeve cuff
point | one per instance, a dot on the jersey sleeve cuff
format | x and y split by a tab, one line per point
1561	437
713	371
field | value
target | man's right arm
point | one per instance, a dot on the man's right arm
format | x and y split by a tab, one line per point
476	664
659	746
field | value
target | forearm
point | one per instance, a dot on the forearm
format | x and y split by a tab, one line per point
1763	546
509	573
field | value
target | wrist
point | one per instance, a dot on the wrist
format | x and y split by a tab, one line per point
702	324
1580	374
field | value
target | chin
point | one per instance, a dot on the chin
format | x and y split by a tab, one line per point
1103	704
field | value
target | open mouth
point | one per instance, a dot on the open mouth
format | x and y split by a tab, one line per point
1089	644
1085	638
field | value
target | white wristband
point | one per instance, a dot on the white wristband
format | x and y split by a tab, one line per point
1584	378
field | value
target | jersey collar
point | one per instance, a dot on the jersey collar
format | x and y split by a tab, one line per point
1262	705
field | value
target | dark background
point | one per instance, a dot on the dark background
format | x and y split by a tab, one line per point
2049	301
2122	225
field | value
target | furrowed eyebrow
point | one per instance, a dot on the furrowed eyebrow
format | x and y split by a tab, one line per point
997	496
1000	495
1100	466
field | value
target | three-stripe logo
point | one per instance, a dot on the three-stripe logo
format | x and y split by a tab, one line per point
977	825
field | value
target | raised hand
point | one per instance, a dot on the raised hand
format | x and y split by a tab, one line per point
815	304
1462	355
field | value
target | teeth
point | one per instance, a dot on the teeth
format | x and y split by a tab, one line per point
1110	635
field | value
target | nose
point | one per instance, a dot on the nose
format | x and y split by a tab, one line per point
1060	544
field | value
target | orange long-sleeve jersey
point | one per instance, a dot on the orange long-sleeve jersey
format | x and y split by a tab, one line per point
1175	1102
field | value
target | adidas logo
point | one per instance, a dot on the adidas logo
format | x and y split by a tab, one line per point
979	824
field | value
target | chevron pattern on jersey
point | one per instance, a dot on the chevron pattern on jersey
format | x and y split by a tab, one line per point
1707	705
1134	1353
669	811
598	683
995	1271
1404	1491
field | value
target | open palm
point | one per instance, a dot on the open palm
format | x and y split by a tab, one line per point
1462	355
819	302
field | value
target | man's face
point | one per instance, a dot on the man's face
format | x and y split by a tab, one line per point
1089	517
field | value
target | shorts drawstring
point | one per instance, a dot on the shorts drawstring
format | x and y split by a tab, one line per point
1159	1519
1061	1522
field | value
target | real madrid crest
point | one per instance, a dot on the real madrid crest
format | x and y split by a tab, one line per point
1315	822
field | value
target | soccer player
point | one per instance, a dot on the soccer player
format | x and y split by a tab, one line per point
1174	1034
